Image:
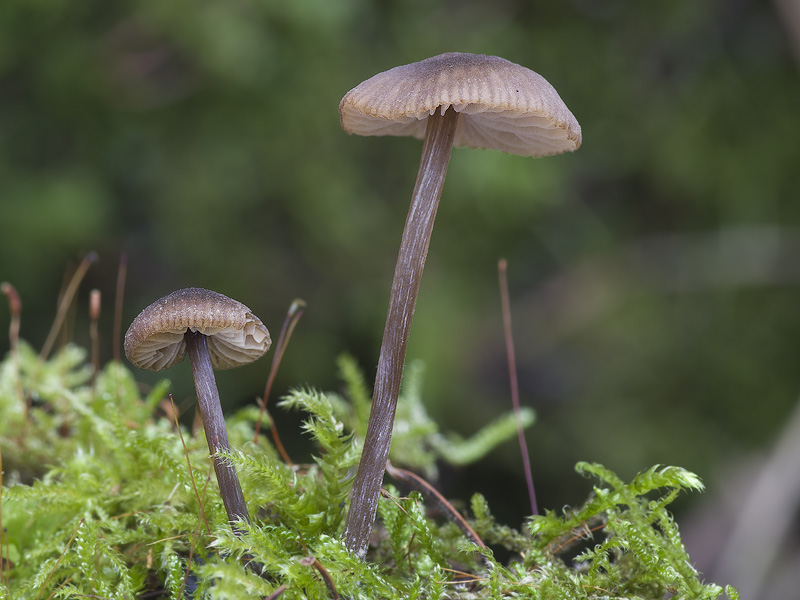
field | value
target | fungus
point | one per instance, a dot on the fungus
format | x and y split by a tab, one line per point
453	99
217	333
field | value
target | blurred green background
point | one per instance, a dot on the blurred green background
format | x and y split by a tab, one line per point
654	273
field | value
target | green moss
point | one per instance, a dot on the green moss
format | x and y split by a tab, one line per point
101	498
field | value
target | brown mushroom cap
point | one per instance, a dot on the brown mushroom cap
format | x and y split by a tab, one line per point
235	336
503	106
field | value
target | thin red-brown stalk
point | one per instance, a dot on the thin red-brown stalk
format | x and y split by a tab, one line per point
94	329
430	492
196	533
394	500
312	561
8	570
64	303
416	238
64	584
502	267
461	577
60	558
289	323
189	463
585	535
122	271
3	573
15	311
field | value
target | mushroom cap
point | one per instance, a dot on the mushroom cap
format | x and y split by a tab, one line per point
504	106
235	336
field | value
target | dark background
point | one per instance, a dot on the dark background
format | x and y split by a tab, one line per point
654	272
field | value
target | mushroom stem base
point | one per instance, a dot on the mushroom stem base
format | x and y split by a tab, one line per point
214	424
364	496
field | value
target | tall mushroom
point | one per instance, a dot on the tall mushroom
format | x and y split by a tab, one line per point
217	333
451	99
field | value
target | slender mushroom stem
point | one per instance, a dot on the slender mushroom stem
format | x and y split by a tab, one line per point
436	149
214	424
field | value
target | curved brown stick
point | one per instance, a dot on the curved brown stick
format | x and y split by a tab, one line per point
432	494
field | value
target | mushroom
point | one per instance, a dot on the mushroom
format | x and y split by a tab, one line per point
217	333
453	99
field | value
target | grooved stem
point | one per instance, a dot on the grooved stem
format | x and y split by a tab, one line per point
405	288
214	424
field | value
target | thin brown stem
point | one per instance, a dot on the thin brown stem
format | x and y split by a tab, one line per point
214	424
502	267
94	329
64	303
405	288
122	272
312	561
432	494
15	310
60	558
196	533
289	323
200	503
9	566
2	534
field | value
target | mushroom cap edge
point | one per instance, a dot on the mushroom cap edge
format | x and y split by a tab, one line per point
507	107
235	336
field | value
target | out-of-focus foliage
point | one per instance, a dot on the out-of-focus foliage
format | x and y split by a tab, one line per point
653	272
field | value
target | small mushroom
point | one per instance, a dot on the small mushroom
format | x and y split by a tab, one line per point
217	333
451	99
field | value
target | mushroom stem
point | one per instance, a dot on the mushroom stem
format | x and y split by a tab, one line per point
436	149
214	425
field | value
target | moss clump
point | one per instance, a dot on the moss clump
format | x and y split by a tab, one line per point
103	497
